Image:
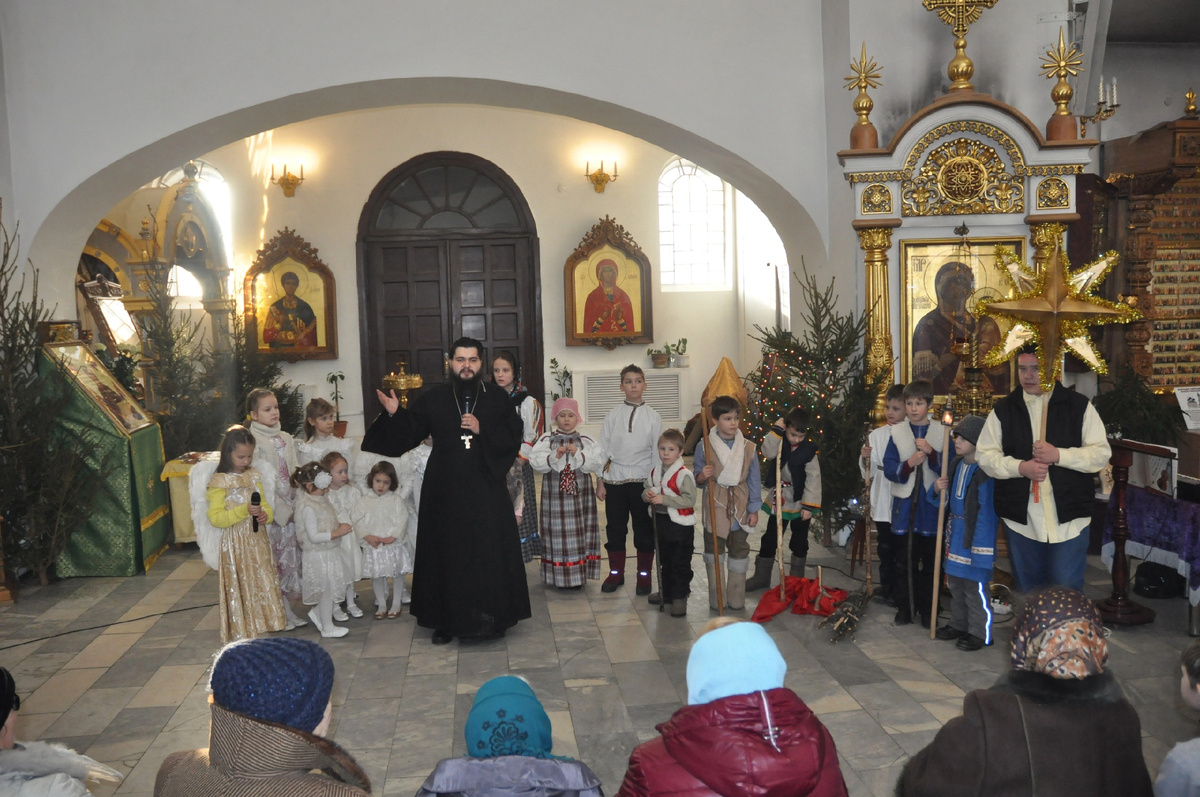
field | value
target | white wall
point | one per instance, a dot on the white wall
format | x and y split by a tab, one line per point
1151	82
103	96
345	156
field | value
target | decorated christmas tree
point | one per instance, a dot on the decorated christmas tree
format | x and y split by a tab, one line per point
824	371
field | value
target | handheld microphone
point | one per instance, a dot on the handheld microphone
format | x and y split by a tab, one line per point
255	503
466	405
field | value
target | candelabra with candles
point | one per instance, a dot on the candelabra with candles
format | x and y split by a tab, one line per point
401	381
1106	106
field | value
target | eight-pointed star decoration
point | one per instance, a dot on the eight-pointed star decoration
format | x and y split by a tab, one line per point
1053	309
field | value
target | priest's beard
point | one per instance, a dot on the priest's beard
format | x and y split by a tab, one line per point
463	386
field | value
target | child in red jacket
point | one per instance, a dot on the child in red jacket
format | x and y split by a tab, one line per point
716	746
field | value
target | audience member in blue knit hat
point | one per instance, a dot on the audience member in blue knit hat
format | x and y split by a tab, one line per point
742	732
508	747
270	713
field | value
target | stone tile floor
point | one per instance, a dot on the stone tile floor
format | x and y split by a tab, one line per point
607	668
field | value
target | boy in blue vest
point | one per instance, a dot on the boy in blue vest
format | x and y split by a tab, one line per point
800	477
912	455
971	532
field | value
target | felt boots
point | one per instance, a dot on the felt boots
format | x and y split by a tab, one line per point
735	585
763	567
645	563
616	572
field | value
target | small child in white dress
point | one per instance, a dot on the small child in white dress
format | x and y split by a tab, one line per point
380	522
324	577
319	440
412	477
345	496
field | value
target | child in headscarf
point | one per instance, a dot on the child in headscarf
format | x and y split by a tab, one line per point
508	750
1056	724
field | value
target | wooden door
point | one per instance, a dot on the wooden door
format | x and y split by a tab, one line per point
488	282
447	248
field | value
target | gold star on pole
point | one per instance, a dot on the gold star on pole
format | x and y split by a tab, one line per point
866	73
1053	309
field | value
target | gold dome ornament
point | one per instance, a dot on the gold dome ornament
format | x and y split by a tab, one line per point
1060	62
865	74
1053	309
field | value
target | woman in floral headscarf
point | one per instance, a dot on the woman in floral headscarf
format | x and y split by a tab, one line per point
1056	724
508	750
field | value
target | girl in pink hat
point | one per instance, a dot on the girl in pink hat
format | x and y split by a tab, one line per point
569	525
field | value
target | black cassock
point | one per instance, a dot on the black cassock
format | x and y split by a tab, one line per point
469	577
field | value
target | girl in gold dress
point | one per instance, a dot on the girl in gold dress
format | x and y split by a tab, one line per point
250	599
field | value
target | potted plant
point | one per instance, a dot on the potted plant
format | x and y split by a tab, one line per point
660	357
333	378
679	355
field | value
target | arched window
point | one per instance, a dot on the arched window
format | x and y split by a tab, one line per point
692	213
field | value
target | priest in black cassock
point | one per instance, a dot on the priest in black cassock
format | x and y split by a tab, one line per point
469	579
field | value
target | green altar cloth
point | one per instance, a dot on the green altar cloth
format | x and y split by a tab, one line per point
130	517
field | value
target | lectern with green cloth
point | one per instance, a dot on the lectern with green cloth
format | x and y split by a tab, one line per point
130	516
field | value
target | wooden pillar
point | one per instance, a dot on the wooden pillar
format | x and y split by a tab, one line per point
875	238
1118	608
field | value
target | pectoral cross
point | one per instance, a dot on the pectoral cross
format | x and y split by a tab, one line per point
466	438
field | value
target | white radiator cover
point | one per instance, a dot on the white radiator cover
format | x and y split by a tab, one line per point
667	391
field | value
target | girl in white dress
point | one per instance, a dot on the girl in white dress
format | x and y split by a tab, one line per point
345	496
319	440
318	531
381	523
275	460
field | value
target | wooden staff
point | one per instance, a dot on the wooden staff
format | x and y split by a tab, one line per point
947	422
712	511
779	515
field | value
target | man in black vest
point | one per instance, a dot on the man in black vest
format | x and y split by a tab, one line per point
1044	489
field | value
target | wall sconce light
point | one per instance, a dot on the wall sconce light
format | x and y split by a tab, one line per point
599	178
288	182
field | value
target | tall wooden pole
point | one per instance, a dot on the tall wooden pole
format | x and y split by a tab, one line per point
947	422
712	513
779	515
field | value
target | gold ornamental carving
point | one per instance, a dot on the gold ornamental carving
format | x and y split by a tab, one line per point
1046	171
1053	194
876	199
873	177
1004	140
875	242
963	176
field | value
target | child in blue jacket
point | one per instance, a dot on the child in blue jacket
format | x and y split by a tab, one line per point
971	550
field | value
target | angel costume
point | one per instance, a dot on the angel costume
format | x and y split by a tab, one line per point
324	572
250	605
570	527
315	447
344	500
384	516
412	476
275	458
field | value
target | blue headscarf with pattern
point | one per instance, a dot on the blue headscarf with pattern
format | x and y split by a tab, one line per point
507	719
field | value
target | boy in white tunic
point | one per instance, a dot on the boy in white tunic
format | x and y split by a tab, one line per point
628	438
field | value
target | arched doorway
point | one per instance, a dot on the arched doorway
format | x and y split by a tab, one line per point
447	247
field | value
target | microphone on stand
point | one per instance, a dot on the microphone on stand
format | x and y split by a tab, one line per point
255	503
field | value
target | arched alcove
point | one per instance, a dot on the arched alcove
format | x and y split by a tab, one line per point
447	247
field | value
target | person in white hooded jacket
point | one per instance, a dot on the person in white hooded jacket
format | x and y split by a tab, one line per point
40	769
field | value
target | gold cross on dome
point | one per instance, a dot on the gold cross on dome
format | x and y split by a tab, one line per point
958	13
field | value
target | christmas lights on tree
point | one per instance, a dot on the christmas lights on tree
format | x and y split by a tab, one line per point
825	373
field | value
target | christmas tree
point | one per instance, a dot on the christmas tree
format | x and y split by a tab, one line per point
47	471
824	371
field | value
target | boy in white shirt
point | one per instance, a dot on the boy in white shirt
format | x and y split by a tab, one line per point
629	440
881	492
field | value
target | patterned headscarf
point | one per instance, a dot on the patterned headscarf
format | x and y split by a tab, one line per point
507	719
1058	632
